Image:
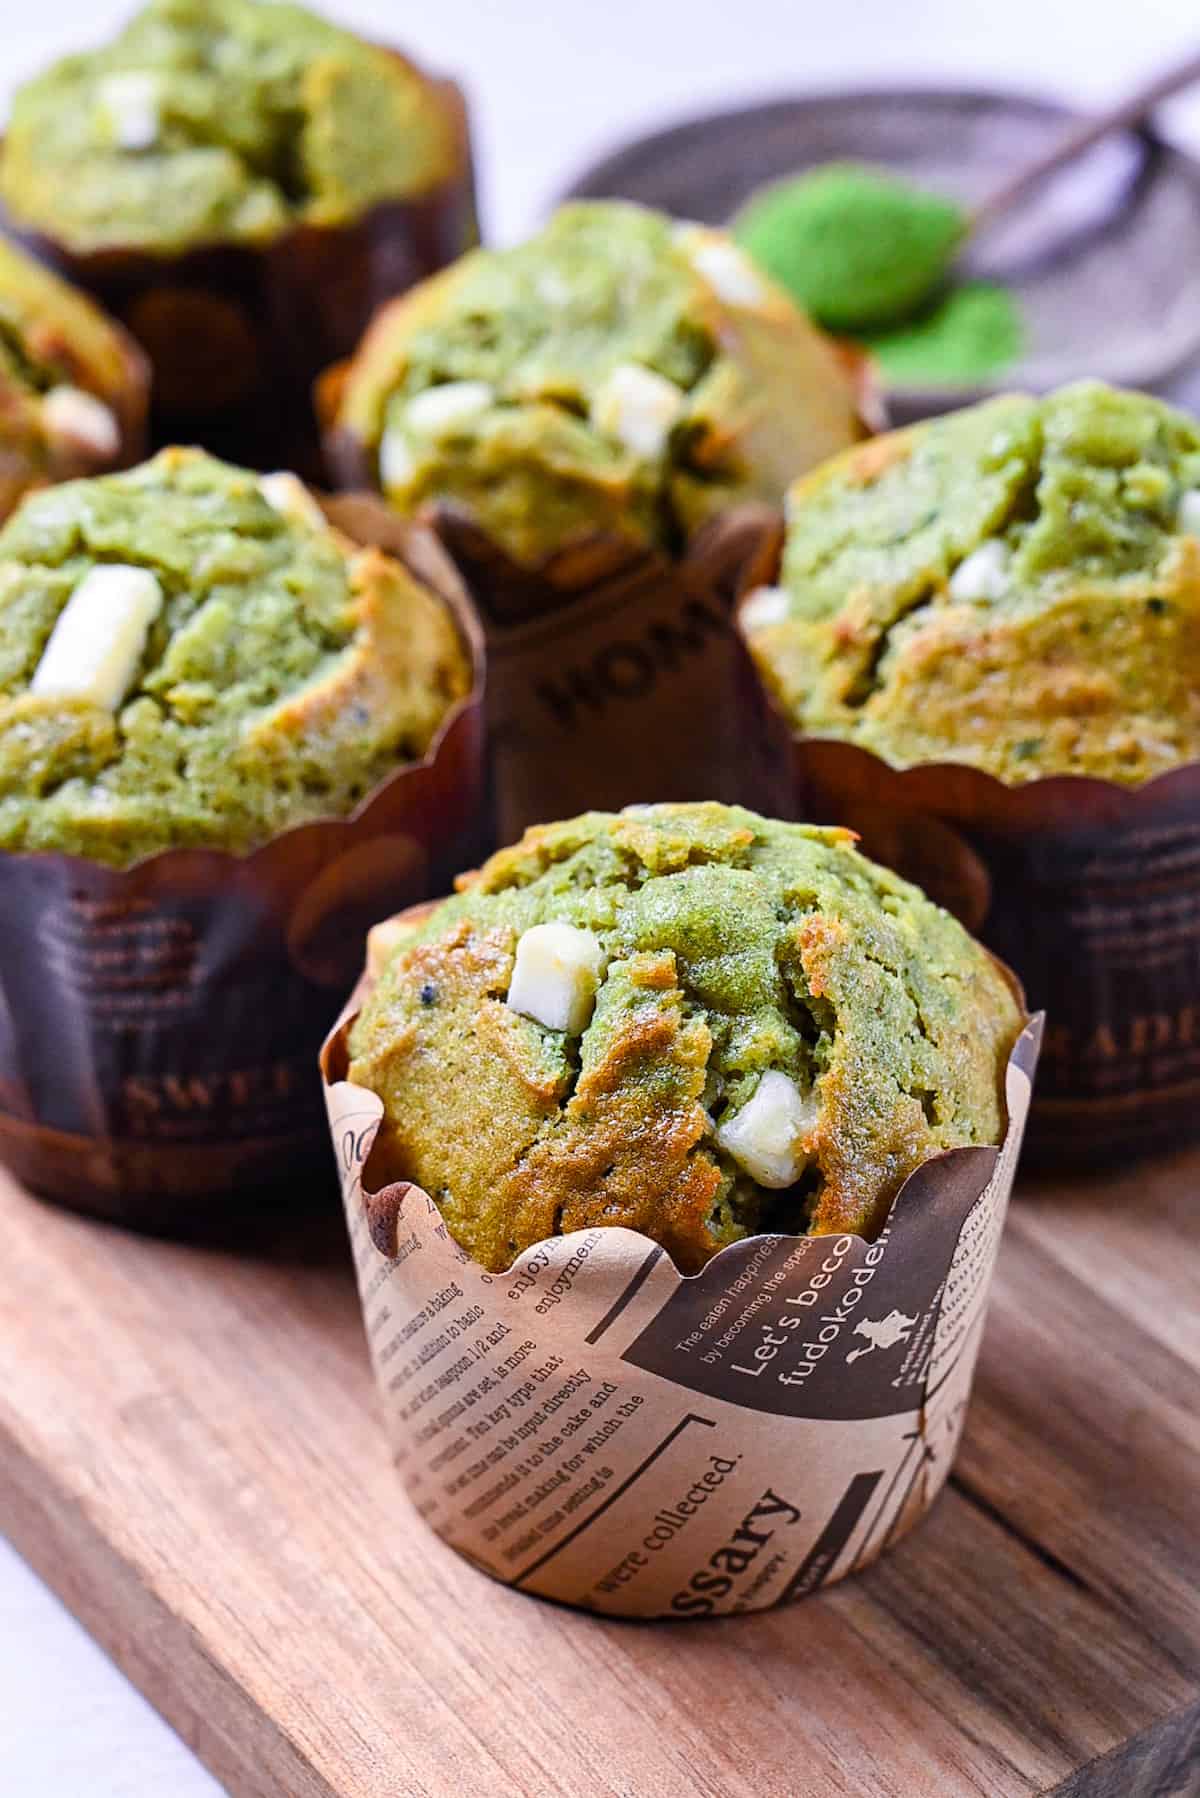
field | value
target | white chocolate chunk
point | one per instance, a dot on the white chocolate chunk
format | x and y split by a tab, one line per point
553	288
764	1136
638	408
554	981
1189	512
396	464
440	410
983	574
71	416
286	494
729	273
130	99
97	643
763	607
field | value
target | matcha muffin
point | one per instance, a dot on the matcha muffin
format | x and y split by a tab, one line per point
219	121
683	1019
1015	586
189	655
617	376
72	384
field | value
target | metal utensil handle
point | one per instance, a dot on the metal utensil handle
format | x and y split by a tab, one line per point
1080	137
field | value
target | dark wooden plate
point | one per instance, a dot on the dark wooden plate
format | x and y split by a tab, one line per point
1106	263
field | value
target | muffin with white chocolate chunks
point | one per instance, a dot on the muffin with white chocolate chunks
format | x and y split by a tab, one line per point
684	1019
618	375
240	183
190	654
218	121
231	740
1015	587
73	384
983	653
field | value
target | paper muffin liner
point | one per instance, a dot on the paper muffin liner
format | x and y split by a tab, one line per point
159	1024
594	1427
237	333
1090	890
606	666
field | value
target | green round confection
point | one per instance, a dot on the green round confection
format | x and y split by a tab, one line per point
618	375
1015	586
286	674
854	246
733	953
211	121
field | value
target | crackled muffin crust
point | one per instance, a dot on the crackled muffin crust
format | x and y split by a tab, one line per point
618	374
72	385
1016	586
769	1033
218	121
275	672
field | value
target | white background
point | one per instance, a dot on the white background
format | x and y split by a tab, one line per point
553	83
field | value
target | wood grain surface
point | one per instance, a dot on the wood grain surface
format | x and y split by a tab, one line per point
190	1455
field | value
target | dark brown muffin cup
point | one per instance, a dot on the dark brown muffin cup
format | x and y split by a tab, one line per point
159	1024
608	664
603	664
237	333
1090	890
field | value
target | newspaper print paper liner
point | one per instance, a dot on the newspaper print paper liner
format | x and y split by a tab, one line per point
596	1428
159	1024
1088	889
237	333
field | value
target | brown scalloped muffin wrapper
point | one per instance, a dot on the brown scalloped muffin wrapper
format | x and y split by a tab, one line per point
604	663
159	1024
608	666
237	333
1090	890
595	1428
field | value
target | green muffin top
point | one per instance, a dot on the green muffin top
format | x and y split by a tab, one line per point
618	375
1016	586
218	121
73	385
686	1019
190	655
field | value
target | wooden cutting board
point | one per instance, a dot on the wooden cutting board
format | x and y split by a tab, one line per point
190	1456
